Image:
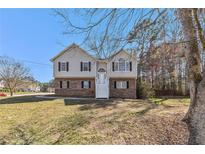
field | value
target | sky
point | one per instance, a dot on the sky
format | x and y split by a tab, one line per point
33	37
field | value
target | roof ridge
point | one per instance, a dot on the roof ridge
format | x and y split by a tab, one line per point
76	45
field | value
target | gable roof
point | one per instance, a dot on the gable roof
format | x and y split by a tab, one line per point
73	45
121	50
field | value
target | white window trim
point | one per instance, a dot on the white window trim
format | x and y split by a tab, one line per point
128	69
121	85
61	66
83	65
84	82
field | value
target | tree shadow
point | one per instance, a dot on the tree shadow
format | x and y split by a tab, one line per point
160	101
87	104
149	106
23	99
144	111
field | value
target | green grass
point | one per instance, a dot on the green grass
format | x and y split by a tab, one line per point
24	92
171	101
20	92
32	120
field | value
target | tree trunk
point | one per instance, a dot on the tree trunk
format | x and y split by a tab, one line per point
152	77
163	77
11	92
180	77
186	80
195	117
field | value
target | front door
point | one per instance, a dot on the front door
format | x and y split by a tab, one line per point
102	90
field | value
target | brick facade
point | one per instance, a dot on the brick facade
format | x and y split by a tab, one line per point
123	93
75	89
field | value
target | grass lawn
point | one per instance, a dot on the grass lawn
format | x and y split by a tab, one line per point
32	120
21	93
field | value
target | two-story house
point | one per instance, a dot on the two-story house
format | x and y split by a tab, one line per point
78	74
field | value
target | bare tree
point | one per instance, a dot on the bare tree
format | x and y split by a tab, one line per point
12	73
105	31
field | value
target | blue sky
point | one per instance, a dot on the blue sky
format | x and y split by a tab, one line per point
33	35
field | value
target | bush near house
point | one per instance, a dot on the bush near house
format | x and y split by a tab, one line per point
4	89
144	90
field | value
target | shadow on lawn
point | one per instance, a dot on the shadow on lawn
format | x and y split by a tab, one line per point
160	101
92	103
87	104
23	99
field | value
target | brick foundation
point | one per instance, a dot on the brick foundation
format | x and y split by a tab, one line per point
74	89
123	93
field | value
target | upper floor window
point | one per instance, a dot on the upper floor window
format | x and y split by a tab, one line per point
122	65
63	66
85	66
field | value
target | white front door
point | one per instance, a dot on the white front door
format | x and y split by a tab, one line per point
102	90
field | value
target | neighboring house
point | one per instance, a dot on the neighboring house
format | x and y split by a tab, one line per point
34	87
78	74
2	84
50	89
29	86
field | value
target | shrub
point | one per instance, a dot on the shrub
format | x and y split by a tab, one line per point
144	90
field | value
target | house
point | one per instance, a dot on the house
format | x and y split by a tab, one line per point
29	86
2	84
78	74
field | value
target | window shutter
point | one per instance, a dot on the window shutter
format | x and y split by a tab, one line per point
59	66
67	66
115	85
89	84
68	84
130	66
81	66
89	66
81	84
113	66
127	84
61	84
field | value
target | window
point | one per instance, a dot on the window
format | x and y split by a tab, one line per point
86	84
122	65
61	84
85	66
116	66
121	84
63	66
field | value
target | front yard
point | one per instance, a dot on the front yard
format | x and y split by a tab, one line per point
32	120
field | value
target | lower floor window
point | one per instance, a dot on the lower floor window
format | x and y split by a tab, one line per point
86	84
121	84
